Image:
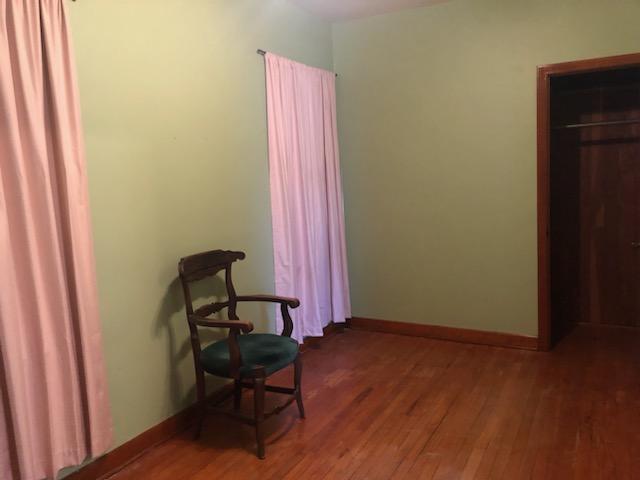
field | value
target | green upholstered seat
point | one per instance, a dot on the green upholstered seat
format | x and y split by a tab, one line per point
273	352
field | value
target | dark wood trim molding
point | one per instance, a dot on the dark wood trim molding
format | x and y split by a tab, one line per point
328	331
544	267
463	335
545	73
120	457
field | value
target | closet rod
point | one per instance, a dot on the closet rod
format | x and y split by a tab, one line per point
597	124
263	53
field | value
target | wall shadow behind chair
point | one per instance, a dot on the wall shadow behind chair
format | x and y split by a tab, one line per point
246	358
178	344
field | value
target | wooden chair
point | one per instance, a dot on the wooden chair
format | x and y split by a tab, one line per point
246	358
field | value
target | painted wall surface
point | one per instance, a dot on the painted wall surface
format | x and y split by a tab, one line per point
437	114
173	106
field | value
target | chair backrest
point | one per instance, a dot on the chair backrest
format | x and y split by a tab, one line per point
207	264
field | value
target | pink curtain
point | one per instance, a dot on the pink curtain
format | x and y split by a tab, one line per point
306	194
53	404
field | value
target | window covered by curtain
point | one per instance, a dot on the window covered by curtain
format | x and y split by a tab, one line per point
53	405
306	194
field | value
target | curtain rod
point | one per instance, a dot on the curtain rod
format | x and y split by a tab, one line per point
263	53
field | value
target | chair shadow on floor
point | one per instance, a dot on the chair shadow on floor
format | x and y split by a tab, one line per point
221	433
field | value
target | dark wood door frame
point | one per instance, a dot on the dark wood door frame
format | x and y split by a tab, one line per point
545	74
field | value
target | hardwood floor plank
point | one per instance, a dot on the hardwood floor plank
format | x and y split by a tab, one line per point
382	406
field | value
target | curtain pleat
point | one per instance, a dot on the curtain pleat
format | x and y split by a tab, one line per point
54	406
306	194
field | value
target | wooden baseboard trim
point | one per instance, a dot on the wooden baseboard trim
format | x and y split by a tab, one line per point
328	331
463	335
121	456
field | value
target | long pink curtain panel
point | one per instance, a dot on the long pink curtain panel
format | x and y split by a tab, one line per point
306	194
54	409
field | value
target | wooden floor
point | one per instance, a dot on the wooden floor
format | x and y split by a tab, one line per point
383	406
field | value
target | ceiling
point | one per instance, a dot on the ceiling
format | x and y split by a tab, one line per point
337	10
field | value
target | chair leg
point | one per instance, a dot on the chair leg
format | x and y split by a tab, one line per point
258	398
297	384
237	394
201	405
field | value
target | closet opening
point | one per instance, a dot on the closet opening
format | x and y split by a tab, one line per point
588	195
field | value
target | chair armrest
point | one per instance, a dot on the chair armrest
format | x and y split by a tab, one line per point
290	302
243	325
284	302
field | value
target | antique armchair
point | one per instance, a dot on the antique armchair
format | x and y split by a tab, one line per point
246	358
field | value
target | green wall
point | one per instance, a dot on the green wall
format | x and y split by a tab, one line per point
437	119
173	105
437	114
